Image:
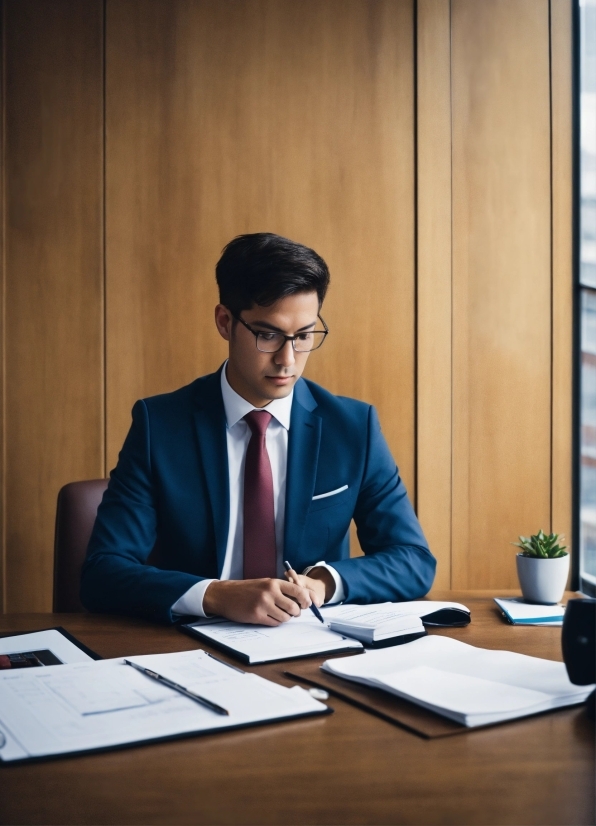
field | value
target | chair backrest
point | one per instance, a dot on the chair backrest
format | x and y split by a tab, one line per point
75	517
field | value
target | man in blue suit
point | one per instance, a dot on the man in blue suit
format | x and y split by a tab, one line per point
253	465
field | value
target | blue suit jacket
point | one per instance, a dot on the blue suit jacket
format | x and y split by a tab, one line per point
171	483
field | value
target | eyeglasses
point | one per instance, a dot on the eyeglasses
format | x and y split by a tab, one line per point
274	342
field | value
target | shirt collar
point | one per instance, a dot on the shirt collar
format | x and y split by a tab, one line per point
236	407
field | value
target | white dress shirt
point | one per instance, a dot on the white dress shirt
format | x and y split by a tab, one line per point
237	437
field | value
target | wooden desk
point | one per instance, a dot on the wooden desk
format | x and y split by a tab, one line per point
350	767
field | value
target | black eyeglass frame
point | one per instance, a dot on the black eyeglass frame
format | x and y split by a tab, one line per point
257	333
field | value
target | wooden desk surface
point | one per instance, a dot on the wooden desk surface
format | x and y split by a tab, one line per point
350	767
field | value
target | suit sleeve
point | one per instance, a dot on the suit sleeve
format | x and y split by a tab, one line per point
115	578
398	564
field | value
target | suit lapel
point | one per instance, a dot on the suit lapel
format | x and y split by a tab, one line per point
303	455
210	424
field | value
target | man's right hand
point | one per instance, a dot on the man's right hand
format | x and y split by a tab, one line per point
259	601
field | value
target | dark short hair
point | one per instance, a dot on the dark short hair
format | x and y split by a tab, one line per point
262	267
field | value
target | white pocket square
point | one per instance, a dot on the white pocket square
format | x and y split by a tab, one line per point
330	493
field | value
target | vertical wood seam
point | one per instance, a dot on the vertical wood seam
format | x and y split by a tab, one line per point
3	318
562	253
433	281
104	250
416	273
451	268
552	269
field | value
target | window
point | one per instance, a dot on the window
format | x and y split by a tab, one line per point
586	31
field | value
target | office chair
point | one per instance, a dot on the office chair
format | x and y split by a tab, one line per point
75	516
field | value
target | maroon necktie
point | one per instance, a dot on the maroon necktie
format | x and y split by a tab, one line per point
260	555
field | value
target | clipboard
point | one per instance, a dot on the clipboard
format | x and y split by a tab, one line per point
95	706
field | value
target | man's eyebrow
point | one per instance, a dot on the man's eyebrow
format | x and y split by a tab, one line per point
275	329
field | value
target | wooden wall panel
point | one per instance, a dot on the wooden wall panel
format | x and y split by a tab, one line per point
53	404
3	582
298	118
226	118
562	273
501	283
433	434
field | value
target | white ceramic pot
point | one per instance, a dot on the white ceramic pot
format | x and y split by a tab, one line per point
542	580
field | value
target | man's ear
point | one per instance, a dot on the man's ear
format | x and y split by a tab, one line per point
224	321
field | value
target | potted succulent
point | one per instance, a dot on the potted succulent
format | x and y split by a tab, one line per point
542	567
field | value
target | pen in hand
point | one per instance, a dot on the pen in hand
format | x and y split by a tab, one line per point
294	579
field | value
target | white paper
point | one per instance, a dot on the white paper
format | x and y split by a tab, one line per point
465	699
108	703
52	640
450	666
415	608
298	637
371	616
371	623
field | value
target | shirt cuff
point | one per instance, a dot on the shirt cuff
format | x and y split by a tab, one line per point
191	602
339	594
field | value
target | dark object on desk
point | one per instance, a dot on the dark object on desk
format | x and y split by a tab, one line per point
65	633
29	659
579	645
399	639
447	618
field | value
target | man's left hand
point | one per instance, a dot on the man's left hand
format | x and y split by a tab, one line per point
319	583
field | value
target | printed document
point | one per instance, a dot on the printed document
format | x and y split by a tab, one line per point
106	703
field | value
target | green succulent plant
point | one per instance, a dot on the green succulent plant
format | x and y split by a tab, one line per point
541	545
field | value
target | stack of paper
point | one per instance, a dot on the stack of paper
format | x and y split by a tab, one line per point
98	705
472	686
374	623
519	612
431	612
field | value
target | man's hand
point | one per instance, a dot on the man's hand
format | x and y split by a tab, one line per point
259	601
319	583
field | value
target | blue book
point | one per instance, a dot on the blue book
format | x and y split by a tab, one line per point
519	612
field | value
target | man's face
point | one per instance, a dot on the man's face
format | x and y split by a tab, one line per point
261	377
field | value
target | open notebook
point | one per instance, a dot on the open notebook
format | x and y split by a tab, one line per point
107	704
346	627
472	686
302	636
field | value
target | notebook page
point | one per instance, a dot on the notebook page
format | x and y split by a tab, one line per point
466	697
455	657
294	638
370	616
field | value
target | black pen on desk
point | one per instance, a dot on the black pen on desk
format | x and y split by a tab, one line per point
180	688
313	607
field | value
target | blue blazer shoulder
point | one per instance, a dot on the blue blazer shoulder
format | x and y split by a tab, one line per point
171	486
